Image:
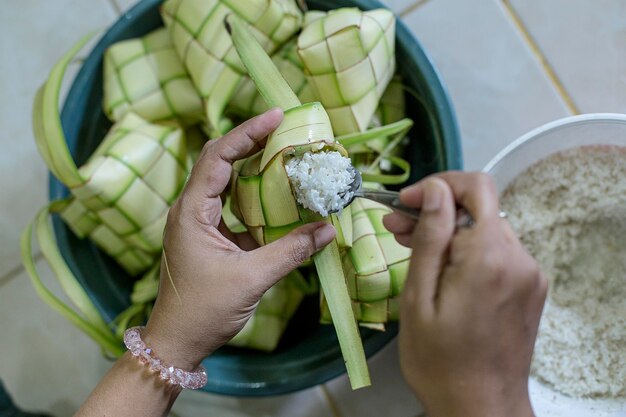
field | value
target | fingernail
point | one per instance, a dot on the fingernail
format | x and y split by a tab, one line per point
276	110
432	196
405	190
323	235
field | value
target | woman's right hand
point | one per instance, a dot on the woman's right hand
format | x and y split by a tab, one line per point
471	303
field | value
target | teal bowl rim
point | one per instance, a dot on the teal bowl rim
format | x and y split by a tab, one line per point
330	364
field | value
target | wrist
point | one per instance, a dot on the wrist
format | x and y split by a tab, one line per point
145	377
172	374
171	347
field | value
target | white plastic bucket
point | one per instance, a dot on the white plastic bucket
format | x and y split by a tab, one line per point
570	132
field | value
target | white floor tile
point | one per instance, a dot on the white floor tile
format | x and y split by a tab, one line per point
585	42
125	5
46	363
398	6
497	87
389	395
32	42
307	403
50	365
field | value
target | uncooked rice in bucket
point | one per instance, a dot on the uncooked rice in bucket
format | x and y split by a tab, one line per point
570	212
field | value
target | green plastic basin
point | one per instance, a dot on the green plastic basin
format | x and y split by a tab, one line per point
309	353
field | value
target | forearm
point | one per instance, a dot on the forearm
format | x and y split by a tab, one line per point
130	389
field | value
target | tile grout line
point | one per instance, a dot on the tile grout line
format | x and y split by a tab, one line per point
539	55
9	276
329	400
413	7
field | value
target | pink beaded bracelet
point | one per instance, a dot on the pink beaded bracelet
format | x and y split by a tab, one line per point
175	376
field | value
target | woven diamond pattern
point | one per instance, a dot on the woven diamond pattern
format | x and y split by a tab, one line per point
373	315
348	57
146	77
204	45
130	182
381	274
266	326
86	224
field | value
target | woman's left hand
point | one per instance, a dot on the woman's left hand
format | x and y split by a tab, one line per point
216	278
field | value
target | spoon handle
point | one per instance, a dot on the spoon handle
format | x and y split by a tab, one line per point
390	199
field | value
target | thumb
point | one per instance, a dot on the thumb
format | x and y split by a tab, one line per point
282	256
430	240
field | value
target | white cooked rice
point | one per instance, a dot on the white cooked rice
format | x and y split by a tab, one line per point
570	210
321	181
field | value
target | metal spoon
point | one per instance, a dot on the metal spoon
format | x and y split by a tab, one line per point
391	199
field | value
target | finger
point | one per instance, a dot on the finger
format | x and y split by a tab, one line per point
401	226
212	172
277	259
398	224
245	241
225	231
404	239
430	242
476	192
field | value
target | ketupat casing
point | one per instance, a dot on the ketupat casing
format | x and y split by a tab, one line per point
372	315
375	267
146	77
85	223
271	317
129	183
206	49
348	57
262	197
349	60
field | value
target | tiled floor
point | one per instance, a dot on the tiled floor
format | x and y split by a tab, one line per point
497	86
510	65
45	362
30	44
585	42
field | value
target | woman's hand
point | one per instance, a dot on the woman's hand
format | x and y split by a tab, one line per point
214	283
472	301
216	278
